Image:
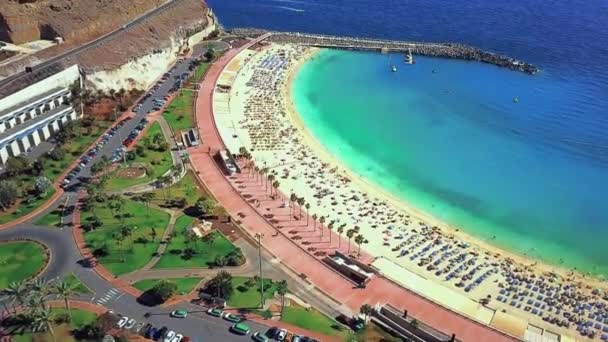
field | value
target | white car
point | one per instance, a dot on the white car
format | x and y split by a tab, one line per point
281	335
121	323
177	338
130	323
170	335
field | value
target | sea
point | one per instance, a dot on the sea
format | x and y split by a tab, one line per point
518	160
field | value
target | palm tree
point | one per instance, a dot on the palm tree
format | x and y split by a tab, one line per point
17	292
147	198
257	173
307	206
301	202
314	218
292	198
340	230
349	234
330	226
271	180
65	291
275	185
359	239
321	221
264	171
42	321
365	309
282	291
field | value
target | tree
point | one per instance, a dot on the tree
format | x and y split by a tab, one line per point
307	206
322	221
282	291
146	198
314	221
16	165
163	290
365	310
9	192
349	234
263	172
271	179
41	185
340	230
57	154
275	185
42	321
359	239
17	292
205	205
301	202
65	291
153	233
209	54
292	198
220	285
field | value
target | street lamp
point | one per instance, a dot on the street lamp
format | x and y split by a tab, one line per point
259	237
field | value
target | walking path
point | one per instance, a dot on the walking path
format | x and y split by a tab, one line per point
379	290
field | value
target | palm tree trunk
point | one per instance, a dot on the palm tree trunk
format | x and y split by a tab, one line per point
67	307
51	331
348	246
339	240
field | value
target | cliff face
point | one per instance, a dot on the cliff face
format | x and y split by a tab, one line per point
23	21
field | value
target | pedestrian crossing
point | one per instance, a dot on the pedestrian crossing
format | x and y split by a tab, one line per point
110	295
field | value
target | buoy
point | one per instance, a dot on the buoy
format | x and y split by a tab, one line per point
516	99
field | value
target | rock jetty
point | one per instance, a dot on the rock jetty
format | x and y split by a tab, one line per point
444	50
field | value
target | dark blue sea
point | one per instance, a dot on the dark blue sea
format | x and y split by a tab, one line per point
530	176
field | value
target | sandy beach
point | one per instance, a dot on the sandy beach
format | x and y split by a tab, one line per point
462	272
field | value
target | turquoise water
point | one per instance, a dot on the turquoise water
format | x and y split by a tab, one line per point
530	176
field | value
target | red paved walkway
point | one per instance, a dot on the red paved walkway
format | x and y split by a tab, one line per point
342	291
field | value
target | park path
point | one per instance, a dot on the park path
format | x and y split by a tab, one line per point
295	258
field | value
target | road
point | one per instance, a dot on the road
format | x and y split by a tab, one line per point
99	41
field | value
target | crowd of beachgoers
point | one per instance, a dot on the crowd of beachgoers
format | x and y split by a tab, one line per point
266	124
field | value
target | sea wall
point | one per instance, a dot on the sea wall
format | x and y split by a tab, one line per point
444	50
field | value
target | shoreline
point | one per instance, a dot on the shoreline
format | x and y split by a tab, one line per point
402	205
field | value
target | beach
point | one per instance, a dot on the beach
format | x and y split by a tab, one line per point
258	113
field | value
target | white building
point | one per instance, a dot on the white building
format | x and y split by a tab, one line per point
34	114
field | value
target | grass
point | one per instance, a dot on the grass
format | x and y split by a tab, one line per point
180	114
53	169
76	284
373	332
25	207
52	219
20	261
159	162
313	320
187	188
200	71
184	285
132	255
245	296
206	253
63	332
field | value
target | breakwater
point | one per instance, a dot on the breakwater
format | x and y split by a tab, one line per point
443	50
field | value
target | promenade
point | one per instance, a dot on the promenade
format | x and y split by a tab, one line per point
321	277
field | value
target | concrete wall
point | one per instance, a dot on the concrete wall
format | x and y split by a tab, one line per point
62	79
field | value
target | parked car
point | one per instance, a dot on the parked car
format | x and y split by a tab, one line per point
145	330
170	335
233	318
177	338
130	324
259	337
240	328
180	313
280	335
215	312
121	322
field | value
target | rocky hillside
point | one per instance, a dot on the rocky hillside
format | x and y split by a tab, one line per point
23	21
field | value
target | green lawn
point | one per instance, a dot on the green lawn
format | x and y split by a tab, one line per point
184	285
180	114
63	332
25	207
206	254
51	219
245	296
200	71
313	320
53	169
20	260
159	162
187	188
136	254
76	284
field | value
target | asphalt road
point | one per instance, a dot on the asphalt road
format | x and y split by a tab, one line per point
99	41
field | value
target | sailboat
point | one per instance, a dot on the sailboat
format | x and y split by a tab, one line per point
408	58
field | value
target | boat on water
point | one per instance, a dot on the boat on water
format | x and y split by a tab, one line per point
408	58
393	68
